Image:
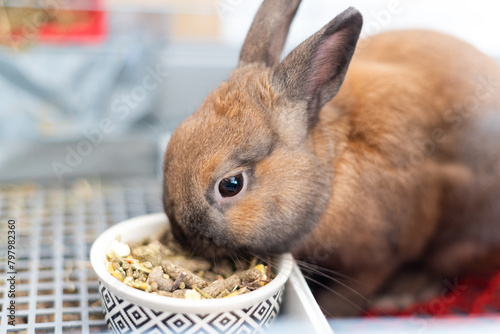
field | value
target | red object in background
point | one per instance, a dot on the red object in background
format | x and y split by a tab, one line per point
80	25
84	23
471	295
88	26
489	300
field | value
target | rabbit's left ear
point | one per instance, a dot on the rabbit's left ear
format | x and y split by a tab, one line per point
267	34
314	70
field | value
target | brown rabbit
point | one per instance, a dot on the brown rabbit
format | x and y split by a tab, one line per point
360	170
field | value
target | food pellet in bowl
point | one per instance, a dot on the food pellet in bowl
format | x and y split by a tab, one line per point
164	268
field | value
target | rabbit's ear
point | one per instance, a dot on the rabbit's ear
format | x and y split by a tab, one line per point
267	34
314	71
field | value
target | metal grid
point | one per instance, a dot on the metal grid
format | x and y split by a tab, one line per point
56	288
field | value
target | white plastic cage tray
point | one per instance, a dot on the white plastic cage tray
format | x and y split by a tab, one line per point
56	288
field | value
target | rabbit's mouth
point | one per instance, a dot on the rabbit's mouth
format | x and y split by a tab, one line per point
208	246
199	244
205	247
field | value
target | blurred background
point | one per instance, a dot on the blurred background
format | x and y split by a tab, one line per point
94	87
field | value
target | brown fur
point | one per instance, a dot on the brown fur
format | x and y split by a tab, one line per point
392	211
403	164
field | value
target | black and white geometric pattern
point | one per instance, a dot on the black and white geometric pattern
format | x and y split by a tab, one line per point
125	317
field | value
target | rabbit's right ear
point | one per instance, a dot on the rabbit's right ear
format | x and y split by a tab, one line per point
268	32
314	71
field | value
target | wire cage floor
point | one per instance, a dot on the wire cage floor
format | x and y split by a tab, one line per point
55	225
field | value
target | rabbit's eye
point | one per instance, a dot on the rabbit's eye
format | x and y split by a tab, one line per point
231	185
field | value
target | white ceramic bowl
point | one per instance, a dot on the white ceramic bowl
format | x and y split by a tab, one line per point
128	310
